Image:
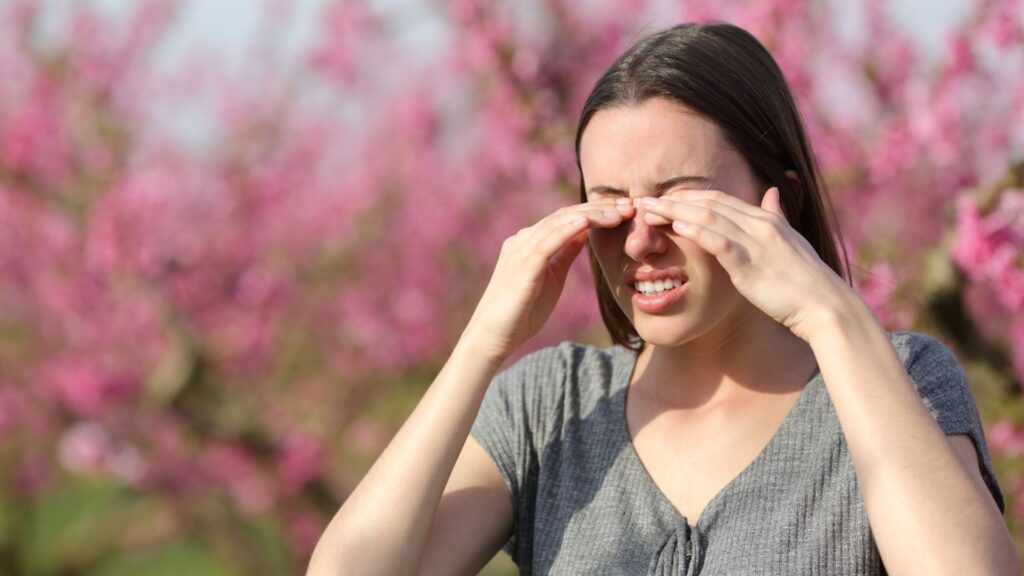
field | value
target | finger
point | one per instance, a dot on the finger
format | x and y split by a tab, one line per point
606	217
622	206
771	202
713	217
566	237
743	218
731	255
566	213
720	197
563	258
757	222
653	219
602	214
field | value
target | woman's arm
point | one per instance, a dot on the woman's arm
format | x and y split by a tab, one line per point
385	524
930	514
929	510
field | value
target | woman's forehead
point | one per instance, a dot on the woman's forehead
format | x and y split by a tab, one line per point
654	139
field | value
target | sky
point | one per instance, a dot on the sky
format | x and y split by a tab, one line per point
228	26
229	29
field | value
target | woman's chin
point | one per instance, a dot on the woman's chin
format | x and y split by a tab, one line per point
665	332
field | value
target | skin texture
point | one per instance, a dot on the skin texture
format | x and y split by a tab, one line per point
434	502
762	310
722	341
926	502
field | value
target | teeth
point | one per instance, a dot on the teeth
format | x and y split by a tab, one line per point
649	288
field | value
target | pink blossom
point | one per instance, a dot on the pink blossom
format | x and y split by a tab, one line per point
1005	439
86	448
87	389
304	529
959	56
1017	349
972	245
348	26
988	247
301	460
365	435
230	465
338	220
877	289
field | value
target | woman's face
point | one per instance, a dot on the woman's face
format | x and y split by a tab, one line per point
661	148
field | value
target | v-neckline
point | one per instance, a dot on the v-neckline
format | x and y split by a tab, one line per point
626	376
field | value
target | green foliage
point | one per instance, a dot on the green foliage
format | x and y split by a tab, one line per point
176	559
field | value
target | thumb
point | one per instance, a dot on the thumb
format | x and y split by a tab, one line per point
563	259
771	202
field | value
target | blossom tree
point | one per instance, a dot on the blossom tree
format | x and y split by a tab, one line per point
202	348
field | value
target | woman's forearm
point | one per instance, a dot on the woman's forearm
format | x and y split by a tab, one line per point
383	525
927	513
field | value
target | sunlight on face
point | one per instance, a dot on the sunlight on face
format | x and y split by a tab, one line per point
661	148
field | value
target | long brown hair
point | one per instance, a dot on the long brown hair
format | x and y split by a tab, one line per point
722	72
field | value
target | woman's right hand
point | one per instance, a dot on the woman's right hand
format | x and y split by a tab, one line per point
531	272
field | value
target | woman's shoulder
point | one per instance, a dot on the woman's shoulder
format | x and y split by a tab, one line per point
938	376
581	373
539	392
920	351
572	361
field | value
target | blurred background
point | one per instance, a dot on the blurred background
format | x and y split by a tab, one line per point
239	238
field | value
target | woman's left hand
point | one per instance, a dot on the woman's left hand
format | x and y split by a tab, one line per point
769	262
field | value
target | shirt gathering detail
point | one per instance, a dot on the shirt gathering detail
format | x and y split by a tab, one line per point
555	425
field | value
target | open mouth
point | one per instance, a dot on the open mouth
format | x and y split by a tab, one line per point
648	288
654	296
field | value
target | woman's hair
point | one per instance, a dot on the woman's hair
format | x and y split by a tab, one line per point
723	73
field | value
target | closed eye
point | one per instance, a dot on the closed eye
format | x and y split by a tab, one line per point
659	189
606	193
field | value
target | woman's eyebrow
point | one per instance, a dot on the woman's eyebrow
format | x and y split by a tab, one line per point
662	186
659	188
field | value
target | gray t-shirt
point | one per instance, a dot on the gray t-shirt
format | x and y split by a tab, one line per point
554	424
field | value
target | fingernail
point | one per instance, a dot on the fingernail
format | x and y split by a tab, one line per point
649	201
610	214
682	228
623	208
624	201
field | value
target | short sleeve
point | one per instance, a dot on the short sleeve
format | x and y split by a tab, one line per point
943	387
516	420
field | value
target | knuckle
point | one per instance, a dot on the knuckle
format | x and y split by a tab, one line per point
706	216
777	219
717	244
761	228
771	228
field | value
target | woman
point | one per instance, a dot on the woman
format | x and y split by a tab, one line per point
753	417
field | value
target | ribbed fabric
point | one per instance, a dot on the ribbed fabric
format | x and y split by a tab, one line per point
554	424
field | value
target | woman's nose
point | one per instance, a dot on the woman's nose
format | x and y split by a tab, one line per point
643	239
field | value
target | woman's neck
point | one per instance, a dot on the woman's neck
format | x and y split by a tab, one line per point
756	357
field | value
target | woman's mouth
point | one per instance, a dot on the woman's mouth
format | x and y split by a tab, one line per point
654	296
